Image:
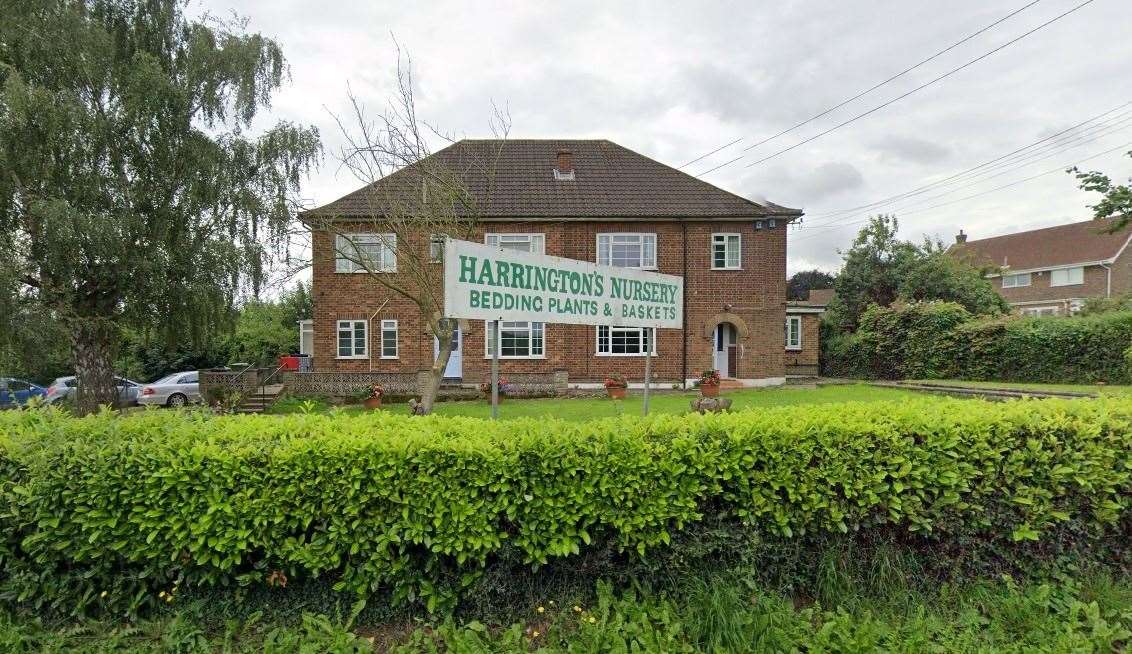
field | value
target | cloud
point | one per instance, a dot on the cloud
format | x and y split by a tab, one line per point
911	149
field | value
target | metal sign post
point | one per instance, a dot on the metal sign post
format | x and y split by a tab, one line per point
648	366
495	370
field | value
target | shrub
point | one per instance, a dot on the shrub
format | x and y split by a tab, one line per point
422	507
937	340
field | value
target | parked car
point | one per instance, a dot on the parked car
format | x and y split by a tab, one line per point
16	392
174	390
64	387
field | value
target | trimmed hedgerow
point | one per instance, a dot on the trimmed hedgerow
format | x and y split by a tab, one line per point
941	340
421	506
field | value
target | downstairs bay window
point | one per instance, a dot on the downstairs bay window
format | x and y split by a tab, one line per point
516	340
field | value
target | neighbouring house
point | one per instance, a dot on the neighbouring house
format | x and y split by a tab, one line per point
803	333
1052	271
591	200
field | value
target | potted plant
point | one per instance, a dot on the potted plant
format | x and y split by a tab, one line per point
709	383
373	397
504	389
615	385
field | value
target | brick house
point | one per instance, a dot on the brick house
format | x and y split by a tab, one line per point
1052	271
803	333
591	200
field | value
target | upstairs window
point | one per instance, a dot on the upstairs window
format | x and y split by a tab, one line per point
353	336
725	251
533	243
365	253
627	250
436	248
1067	276
1016	281
794	332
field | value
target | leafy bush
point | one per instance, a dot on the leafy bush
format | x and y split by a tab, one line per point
422	507
939	340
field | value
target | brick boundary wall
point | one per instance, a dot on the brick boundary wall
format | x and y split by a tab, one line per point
346	384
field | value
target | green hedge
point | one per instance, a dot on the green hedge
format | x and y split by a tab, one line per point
941	340
421	506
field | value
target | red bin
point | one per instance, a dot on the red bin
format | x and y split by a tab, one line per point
289	362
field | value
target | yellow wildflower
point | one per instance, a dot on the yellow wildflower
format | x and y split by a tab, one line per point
534	634
161	594
541	610
577	609
103	594
592	619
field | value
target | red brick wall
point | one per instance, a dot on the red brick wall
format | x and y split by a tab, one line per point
805	361
757	294
1096	280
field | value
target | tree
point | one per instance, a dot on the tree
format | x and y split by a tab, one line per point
1117	200
131	192
880	268
800	284
412	197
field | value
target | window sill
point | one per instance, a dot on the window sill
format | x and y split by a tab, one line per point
1063	285
363	272
612	354
714	268
797	348
389	358
355	357
513	358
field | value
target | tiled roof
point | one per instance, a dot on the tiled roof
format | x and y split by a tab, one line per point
819	299
609	181
1063	245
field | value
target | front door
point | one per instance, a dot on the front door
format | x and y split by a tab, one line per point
455	368
724	348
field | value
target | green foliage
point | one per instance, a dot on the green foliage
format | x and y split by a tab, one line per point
132	192
880	269
1116	200
715	613
943	341
423	506
799	285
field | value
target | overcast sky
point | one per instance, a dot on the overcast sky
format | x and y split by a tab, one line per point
676	82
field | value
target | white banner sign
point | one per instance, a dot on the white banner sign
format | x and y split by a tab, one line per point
489	283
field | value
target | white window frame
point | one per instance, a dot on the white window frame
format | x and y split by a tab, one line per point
645	240
386	255
390	326
1041	311
1080	273
1015	280
436	248
530	329
353	325
724	239
536	241
640	331
797	343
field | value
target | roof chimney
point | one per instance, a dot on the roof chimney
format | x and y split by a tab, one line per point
960	238
565	161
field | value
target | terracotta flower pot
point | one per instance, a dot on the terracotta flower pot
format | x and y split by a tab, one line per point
709	390
616	392
373	402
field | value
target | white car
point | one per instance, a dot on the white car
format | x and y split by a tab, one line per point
174	390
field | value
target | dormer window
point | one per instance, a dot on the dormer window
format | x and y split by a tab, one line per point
564	170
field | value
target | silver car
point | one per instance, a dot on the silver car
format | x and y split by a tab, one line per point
174	390
64	387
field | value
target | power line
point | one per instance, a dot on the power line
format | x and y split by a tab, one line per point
1113	124
871	88
722	147
1051	171
901	96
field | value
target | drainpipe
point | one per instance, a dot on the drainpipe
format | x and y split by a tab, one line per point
1108	283
684	301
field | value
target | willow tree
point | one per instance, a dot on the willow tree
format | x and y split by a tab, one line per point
132	191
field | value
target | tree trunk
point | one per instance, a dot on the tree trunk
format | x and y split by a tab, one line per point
91	346
436	373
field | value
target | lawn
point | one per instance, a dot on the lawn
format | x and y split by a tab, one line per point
1099	389
590	408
